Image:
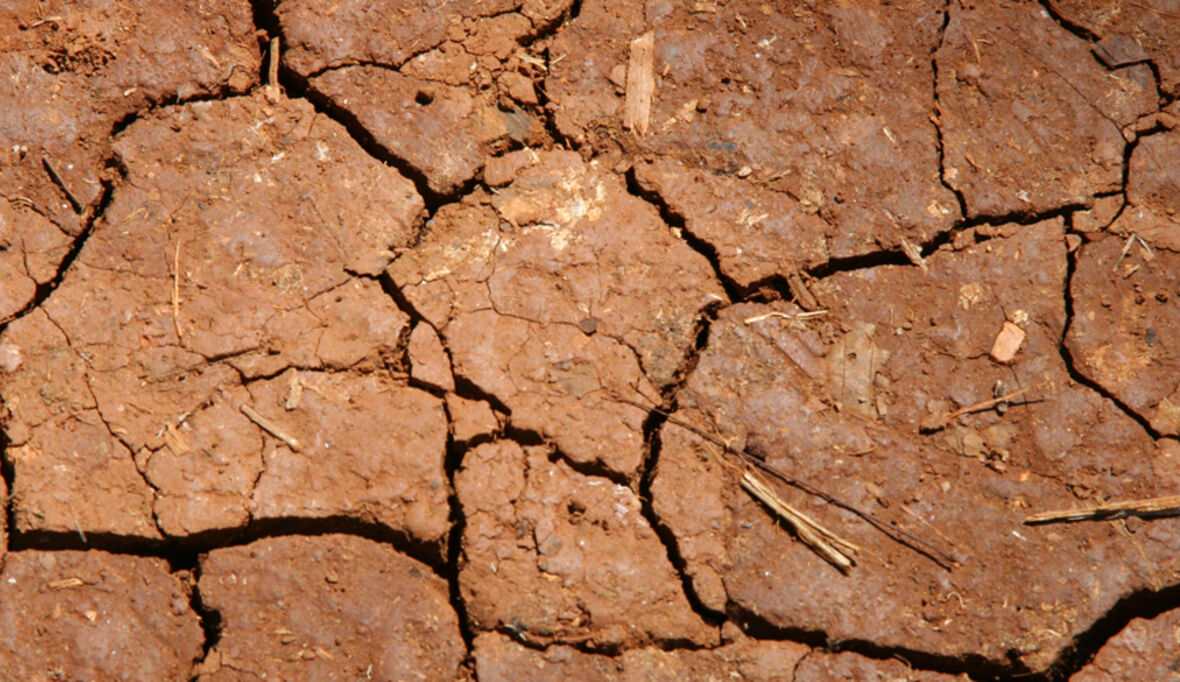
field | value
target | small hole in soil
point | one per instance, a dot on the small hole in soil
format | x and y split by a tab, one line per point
424	98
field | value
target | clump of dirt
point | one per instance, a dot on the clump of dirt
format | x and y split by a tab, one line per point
320	607
554	557
556	292
138	612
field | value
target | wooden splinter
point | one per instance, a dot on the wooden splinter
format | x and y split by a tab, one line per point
640	84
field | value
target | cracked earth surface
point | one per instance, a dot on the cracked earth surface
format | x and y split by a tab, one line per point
343	376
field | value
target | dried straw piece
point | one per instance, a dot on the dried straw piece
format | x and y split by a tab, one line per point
805	315
1149	507
833	548
175	441
65	583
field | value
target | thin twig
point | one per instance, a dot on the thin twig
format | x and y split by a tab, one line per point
47	20
833	548
176	290
986	404
270	427
1123	254
898	535
1150	507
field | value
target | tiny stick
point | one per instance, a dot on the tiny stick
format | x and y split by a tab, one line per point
272	70
990	403
270	427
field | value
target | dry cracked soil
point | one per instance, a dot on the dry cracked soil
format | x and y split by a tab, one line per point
454	339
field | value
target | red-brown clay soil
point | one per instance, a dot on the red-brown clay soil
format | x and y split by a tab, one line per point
417	353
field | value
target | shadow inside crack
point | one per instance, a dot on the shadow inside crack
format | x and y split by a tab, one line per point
974	666
1144	604
1072	366
179	550
450	569
652	427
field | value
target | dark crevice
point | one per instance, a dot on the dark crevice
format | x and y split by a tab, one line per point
1071	364
300	87
936	121
44	290
451	568
1022	217
770	288
1074	28
464	387
357	63
399	359
862	262
692	355
432	389
176	549
733	290
1145	604
652	426
209	618
777	286
546	110
614	650
1128	152
898	257
594	469
551	27
8	472
451	565
223	92
974	666
266	22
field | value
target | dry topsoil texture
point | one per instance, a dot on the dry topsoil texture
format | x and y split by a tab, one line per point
352	375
